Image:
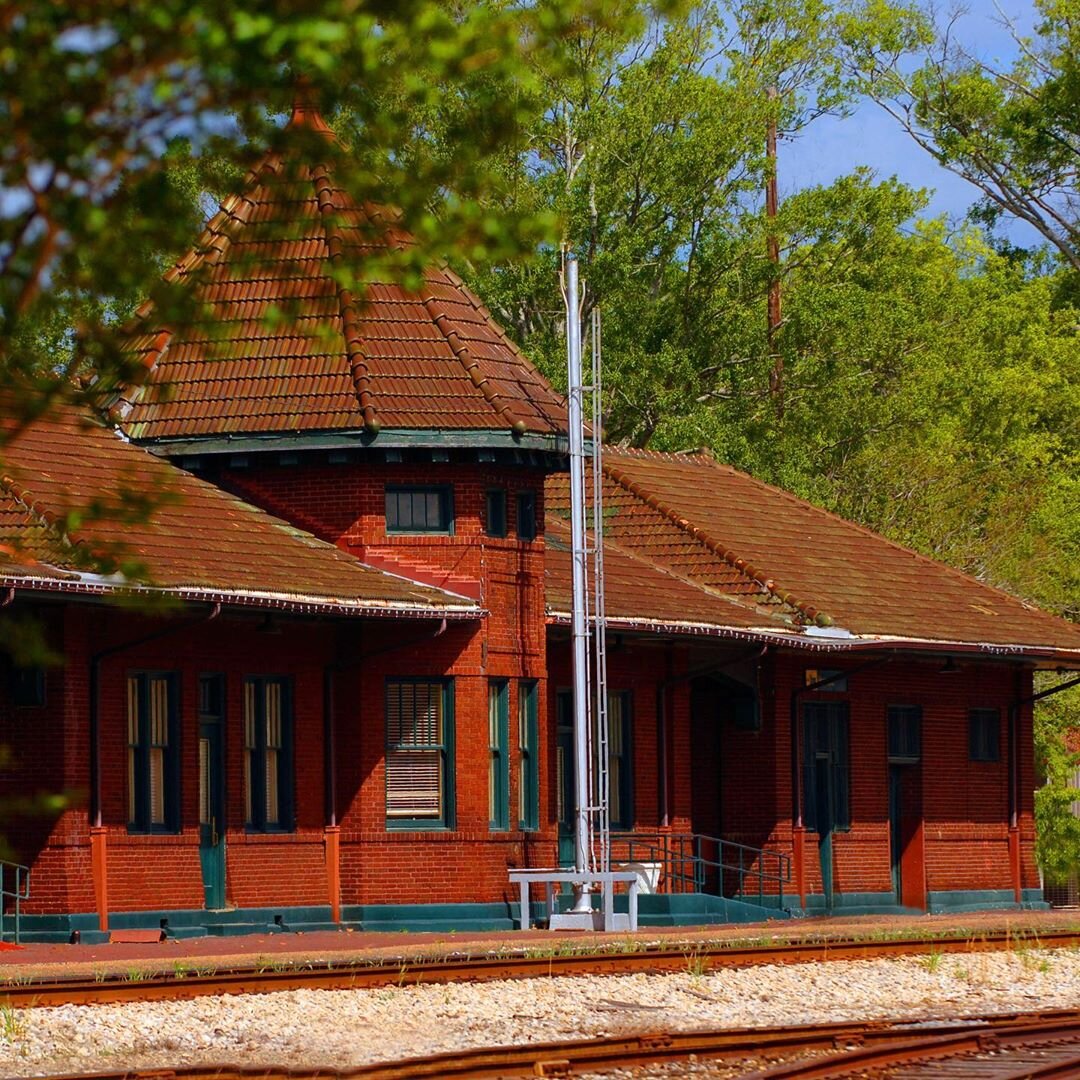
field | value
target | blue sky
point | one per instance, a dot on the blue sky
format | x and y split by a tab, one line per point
833	147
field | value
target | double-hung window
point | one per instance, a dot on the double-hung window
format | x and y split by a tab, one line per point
268	736
905	733
495	512
528	751
419	753
984	735
153	752
498	756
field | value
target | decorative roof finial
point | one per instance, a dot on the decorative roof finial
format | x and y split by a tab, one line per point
305	109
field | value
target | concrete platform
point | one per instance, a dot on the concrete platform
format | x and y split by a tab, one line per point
255	951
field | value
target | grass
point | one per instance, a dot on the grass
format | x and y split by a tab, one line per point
932	960
12	1022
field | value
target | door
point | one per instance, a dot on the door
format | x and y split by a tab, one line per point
825	783
212	790
896	840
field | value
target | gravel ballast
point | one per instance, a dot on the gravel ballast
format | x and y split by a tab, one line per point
347	1028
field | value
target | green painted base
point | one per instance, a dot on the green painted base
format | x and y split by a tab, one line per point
986	900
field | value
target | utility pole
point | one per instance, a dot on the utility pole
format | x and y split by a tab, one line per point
772	208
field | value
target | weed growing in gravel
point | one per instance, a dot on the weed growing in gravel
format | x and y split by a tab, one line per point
932	960
12	1022
180	970
696	964
962	973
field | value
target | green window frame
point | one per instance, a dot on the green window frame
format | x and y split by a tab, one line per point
526	515
984	735
419	509
620	760
826	738
905	733
495	512
268	754
419	753
498	755
528	756
153	752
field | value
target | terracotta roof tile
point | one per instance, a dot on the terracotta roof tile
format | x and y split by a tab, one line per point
276	246
767	548
198	542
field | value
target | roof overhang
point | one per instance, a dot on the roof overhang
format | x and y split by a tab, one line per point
816	640
290	603
386	439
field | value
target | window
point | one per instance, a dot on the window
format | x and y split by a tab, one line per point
836	684
526	515
620	762
984	734
905	733
27	687
498	758
268	778
153	754
419	753
418	510
529	780
495	512
825	766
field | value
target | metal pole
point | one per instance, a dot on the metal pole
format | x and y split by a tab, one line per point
579	630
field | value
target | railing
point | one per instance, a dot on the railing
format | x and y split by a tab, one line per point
18	877
691	862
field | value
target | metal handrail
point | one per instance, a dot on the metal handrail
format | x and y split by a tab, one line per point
20	893
687	867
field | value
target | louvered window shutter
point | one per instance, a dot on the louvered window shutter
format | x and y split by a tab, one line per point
416	751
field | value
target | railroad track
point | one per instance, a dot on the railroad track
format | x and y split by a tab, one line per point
879	1048
182	984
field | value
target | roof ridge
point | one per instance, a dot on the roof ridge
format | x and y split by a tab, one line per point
809	611
359	369
472	367
968	579
686	579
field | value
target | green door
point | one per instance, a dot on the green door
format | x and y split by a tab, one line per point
212	790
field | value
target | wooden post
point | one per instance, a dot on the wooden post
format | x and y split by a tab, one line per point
100	874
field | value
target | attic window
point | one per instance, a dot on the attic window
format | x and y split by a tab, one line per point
418	510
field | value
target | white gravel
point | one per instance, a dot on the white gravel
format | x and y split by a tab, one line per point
347	1028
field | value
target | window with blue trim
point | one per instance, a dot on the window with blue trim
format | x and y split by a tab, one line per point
419	753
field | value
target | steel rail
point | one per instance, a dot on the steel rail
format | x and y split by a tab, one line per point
295	974
563	1059
992	1038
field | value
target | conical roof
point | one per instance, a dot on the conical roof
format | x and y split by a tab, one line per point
282	347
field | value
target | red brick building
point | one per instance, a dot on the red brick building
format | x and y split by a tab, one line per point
343	699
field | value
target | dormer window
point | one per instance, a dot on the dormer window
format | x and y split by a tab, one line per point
419	510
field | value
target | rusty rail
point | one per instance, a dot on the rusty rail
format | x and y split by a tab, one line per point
881	1044
526	964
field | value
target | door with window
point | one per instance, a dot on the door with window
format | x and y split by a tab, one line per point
212	788
905	805
825	782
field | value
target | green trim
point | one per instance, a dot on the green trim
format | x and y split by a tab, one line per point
499	754
256	822
435	438
445	495
446	820
528	750
139	769
961	900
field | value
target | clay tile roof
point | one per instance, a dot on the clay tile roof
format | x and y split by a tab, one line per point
736	535
71	488
281	346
